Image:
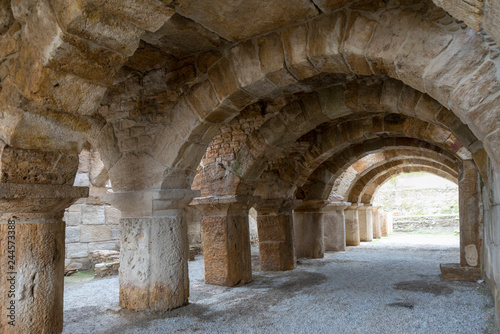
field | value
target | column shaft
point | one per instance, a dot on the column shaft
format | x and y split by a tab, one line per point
334	226
470	215
276	235
308	230
352	226
365	223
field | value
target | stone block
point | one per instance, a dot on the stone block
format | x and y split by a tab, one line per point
115	233
272	59
454	272
76	250
95	233
295	45
358	33
72	218
104	245
106	269
72	234
325	38
93	215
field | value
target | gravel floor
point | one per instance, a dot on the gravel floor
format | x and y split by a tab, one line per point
388	286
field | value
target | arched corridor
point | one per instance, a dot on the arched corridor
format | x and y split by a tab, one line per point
218	107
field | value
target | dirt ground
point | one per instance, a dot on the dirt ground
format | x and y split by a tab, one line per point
391	285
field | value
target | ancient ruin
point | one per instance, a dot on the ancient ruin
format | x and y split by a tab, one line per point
299	109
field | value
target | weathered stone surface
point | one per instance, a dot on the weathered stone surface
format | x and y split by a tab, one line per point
181	37
352	237
276	236
365	223
153	263
38	284
454	272
226	239
295	46
470	218
308	229
93	233
358	33
219	17
325	39
106	269
334	226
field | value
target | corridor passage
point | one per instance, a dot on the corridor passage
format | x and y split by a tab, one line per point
392	285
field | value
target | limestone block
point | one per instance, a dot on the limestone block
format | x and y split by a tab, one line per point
90	22
106	269
230	19
129	173
331	5
352	227
325	38
39	279
101	256
295	46
72	218
95	233
27	166
180	36
308	234
153	263
115	234
461	58
103	245
272	59
388	36
471	12
148	15
246	64
207	59
112	215
425	42
93	215
491	19
454	272
72	234
75	250
226	85
358	33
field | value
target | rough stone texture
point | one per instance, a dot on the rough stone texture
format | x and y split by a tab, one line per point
38	284
377	228
218	17
352	226
106	269
276	235
226	240
334	227
471	222
308	230
365	223
153	263
456	272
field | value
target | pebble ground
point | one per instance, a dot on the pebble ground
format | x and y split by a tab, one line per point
392	285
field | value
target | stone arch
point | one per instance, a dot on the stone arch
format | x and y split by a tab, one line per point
352	174
358	185
370	191
320	182
231	86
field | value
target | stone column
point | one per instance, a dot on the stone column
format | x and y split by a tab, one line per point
275	228
470	214
365	223
308	229
32	255
334	226
352	226
226	239
383	223
377	228
154	249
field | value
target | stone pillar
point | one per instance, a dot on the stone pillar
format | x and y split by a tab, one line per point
352	226
470	214
365	223
383	223
389	221
308	229
275	228
334	226
32	255
377	228
154	249
226	239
